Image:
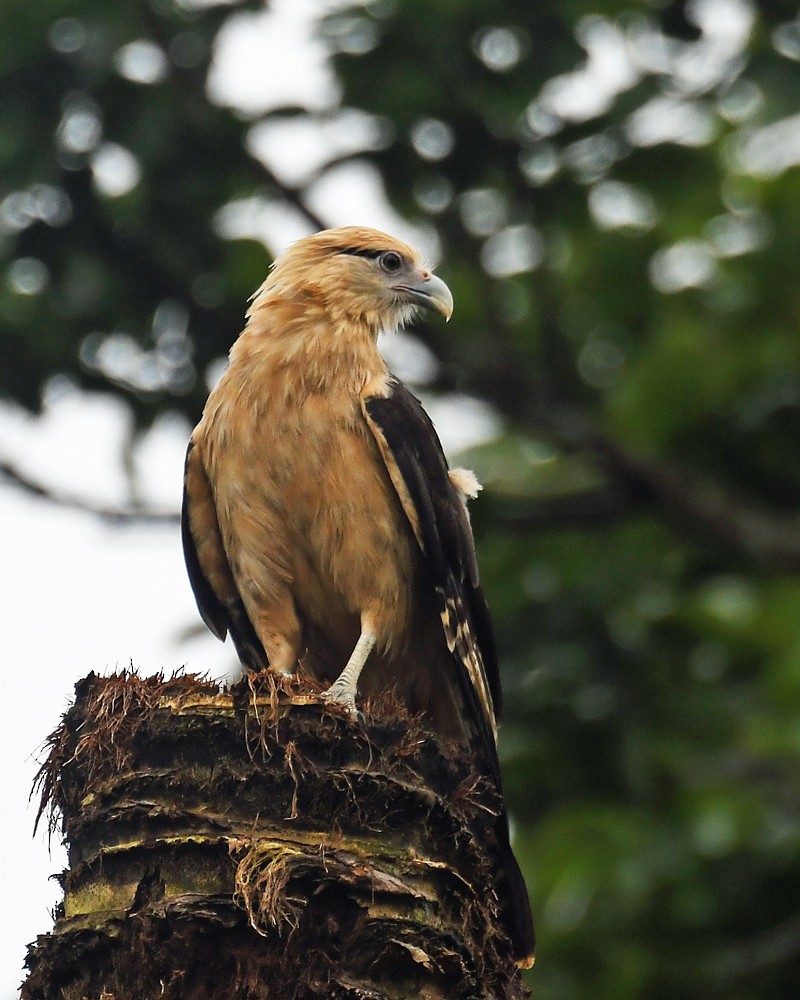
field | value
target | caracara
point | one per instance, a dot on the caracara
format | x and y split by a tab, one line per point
321	524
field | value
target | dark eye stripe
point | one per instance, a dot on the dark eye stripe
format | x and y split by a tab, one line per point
355	252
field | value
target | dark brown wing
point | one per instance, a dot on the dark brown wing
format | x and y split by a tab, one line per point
414	459
215	591
418	468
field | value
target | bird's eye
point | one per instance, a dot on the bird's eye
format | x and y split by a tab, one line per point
391	262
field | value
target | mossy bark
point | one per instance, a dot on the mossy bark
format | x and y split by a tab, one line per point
251	843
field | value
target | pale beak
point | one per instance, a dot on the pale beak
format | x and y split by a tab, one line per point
429	291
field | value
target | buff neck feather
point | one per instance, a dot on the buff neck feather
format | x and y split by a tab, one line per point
297	348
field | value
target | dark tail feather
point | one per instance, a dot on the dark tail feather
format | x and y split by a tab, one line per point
248	646
516	914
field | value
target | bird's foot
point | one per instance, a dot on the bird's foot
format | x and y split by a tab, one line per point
340	694
343	690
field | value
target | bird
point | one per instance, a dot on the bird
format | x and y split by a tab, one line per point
322	526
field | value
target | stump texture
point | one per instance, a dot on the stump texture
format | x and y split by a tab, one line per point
250	842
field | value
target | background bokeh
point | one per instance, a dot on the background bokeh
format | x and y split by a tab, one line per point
612	190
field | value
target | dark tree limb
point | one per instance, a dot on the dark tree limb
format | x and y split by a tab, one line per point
588	509
249	843
694	505
764	538
114	515
761	536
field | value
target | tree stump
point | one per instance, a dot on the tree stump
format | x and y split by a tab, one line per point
250	842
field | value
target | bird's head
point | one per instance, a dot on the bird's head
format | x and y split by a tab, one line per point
358	275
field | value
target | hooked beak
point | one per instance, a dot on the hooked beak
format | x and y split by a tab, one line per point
429	291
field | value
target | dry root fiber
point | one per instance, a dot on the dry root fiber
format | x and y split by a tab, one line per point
251	843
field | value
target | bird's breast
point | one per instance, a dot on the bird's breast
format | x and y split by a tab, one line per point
304	499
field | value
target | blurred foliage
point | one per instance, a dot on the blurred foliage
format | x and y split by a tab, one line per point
105	276
616	191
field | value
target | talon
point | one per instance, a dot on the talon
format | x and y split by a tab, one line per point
337	694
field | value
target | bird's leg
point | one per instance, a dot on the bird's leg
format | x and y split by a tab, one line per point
282	656
343	689
278	627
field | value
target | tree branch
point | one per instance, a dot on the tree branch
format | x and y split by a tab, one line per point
113	515
766	538
590	509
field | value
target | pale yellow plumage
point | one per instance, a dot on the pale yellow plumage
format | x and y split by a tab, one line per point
308	515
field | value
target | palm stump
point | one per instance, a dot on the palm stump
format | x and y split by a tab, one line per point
249	842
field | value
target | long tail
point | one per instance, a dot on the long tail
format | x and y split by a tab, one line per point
516	914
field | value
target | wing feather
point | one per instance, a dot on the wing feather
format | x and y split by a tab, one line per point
417	466
218	599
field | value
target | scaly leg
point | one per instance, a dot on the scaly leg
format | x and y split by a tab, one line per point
343	689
